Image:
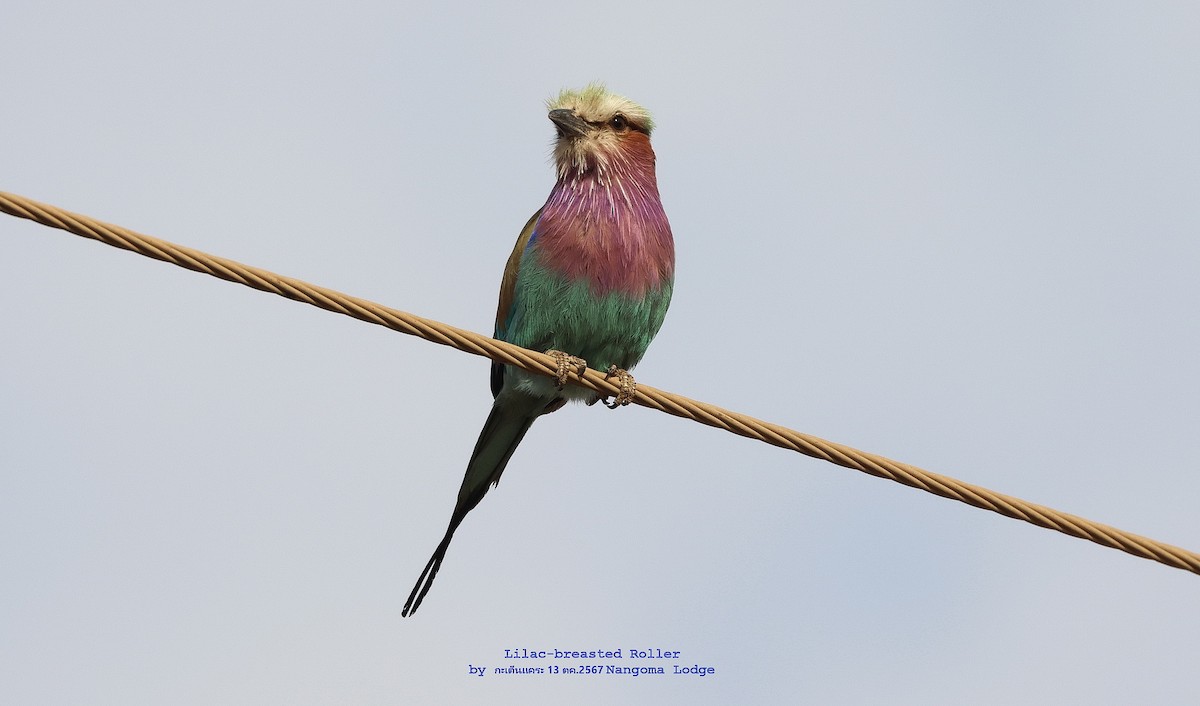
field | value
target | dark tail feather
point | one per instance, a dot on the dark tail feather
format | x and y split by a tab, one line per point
431	569
503	431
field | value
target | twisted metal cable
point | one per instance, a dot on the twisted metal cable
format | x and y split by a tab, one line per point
647	396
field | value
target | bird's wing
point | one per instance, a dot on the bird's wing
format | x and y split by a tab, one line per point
508	295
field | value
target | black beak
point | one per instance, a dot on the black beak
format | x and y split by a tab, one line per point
569	124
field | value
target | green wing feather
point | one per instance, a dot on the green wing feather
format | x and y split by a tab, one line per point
508	290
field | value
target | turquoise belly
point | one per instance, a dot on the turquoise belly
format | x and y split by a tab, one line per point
550	312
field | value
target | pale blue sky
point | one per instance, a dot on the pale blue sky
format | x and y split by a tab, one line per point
963	235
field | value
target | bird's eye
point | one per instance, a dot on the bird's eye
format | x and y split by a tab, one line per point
618	123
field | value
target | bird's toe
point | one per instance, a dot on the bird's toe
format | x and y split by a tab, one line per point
626	387
565	363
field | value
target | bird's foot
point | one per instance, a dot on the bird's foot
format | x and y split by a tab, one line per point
627	387
565	363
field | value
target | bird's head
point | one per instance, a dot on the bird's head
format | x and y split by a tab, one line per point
598	131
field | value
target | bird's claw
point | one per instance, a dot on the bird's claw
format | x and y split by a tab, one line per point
626	387
565	363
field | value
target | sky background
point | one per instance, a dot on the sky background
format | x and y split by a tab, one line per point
962	235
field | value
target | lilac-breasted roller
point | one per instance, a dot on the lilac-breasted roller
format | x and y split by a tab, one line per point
589	280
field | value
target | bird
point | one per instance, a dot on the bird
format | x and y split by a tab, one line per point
588	282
